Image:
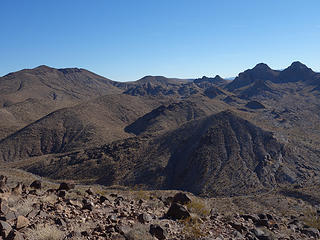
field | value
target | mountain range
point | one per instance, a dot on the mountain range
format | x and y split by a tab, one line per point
210	136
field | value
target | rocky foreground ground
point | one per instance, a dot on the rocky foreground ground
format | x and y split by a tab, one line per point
67	212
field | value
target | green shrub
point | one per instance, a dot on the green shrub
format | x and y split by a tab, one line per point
198	207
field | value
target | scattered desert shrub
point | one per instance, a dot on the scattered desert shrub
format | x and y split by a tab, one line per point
312	219
138	193
51	198
138	231
192	228
45	233
227	217
75	193
198	207
101	192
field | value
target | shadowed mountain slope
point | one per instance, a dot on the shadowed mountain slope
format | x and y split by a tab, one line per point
296	72
88	124
164	118
221	154
172	116
261	72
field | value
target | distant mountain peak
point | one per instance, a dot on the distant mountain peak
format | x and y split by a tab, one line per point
262	66
217	77
297	71
149	78
43	67
261	72
298	65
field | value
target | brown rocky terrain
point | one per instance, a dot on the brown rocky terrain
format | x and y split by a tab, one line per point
43	210
30	94
218	155
87	124
230	141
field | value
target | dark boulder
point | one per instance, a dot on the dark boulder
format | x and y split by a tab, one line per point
311	232
181	198
61	193
177	211
36	184
66	186
157	231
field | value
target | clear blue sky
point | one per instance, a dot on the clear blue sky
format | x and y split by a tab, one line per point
127	39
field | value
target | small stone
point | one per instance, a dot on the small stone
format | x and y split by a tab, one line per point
246	217
60	222
311	232
262	223
237	235
84	234
66	186
117	237
144	218
87	205
74	235
3	180
22	222
113	218
17	190
3	207
62	193
43	214
3	184
157	231
33	213
122	229
15	235
102	199
5	229
269	216
11	215
263	234
89	191
76	203
33	192
262	216
109	229
238	227
36	184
